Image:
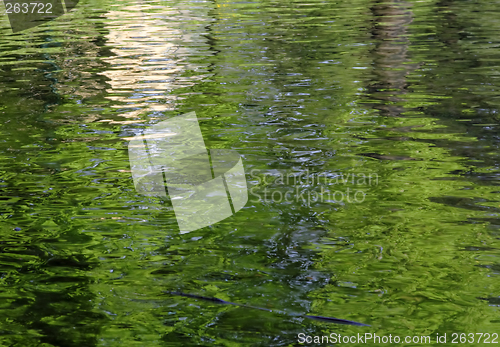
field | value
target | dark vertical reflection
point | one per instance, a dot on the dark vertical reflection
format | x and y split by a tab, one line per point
391	57
43	265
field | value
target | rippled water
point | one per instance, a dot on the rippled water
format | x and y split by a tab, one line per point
392	106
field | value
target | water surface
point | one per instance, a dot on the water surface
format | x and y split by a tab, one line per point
406	93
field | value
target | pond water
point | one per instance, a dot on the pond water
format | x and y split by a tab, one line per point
387	110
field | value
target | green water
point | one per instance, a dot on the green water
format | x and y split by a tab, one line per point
406	93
